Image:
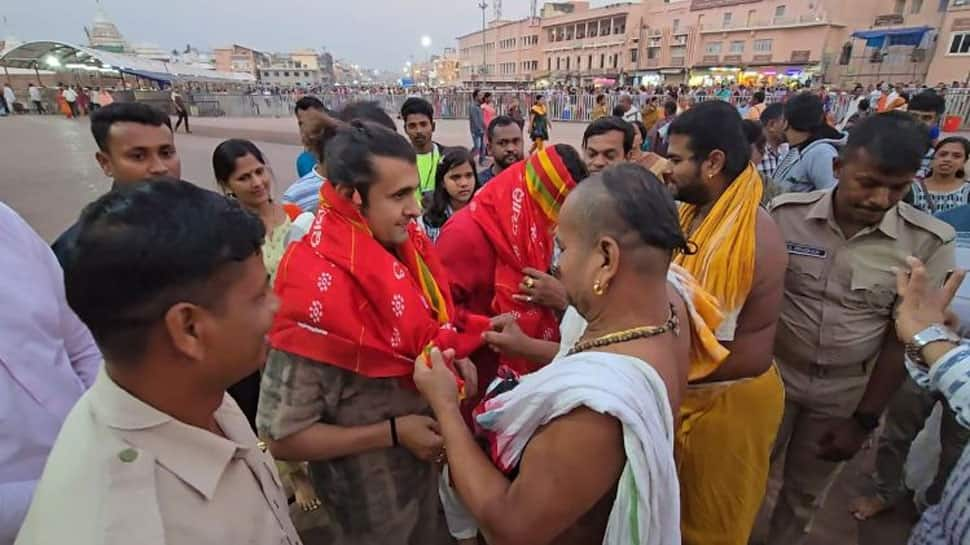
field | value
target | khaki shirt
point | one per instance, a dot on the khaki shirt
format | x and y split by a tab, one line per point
122	472
840	294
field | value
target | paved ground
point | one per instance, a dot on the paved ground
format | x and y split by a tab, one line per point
48	173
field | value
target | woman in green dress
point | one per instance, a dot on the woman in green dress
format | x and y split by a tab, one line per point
242	174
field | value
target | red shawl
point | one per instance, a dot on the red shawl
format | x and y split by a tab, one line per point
347	301
518	211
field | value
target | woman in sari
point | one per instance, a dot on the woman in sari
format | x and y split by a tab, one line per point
488	112
62	104
539	124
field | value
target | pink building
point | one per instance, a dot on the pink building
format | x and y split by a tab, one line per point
894	41
507	55
237	58
951	60
582	45
762	41
710	41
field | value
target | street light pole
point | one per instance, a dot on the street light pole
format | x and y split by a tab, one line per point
426	44
483	6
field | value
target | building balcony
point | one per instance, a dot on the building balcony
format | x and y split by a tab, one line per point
653	63
586	43
776	22
678	61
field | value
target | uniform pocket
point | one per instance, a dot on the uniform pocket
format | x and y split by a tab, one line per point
874	289
805	274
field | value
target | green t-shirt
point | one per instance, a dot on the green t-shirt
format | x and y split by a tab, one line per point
428	169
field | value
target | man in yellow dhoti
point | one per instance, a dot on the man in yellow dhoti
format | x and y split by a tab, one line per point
733	406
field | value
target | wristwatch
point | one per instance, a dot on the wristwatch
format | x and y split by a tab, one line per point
933	334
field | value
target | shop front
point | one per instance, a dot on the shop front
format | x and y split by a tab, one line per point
646	78
672	76
787	75
714	75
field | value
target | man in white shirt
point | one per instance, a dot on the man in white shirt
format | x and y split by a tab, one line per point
156	452
70	96
630	112
9	98
35	98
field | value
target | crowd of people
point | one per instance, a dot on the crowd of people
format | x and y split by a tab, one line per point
428	343
72	100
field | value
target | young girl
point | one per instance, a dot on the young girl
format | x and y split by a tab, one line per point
455	185
946	186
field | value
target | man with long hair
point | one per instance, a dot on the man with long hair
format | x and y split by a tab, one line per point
362	295
735	406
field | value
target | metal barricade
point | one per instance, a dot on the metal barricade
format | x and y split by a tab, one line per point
561	105
958	104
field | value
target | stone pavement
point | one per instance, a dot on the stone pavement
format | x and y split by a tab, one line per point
48	173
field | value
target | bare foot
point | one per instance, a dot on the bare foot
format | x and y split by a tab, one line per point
866	507
306	497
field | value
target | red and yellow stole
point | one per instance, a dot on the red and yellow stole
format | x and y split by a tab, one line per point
518	211
346	301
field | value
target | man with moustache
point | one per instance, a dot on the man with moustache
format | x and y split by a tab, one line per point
504	146
418	117
156	451
838	354
135	142
735	405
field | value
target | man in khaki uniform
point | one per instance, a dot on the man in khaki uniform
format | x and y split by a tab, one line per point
835	346
156	452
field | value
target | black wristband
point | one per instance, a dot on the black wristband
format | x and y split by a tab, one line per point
394	440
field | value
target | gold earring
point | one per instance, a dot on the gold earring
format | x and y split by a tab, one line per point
598	288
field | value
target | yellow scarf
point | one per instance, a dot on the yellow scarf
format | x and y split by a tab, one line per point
706	352
724	262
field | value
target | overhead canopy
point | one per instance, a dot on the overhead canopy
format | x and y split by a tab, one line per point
147	74
896	36
61	56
